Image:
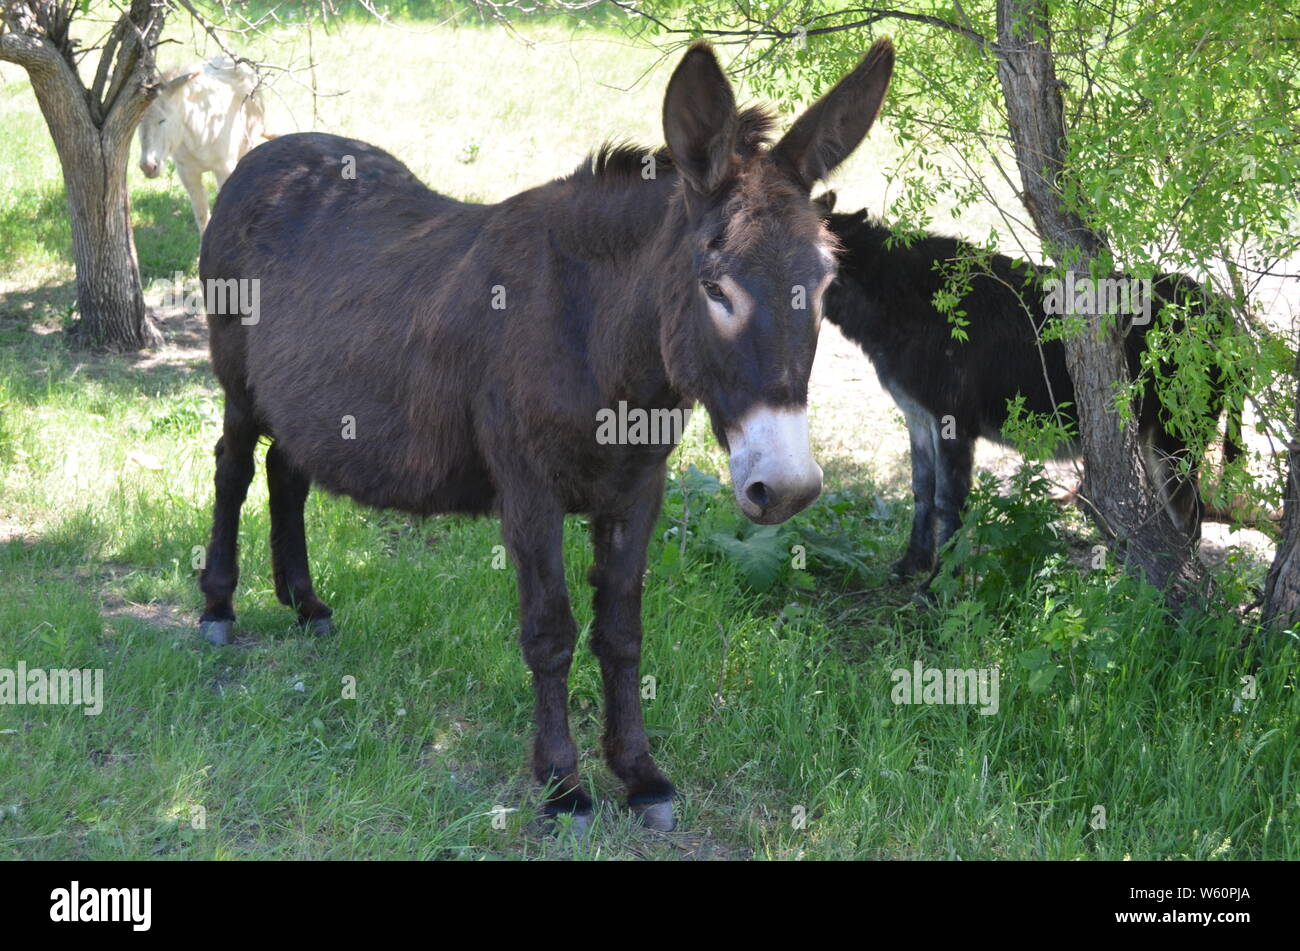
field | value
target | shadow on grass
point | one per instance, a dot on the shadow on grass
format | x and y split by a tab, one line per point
36	223
40	365
22	310
38	361
166	239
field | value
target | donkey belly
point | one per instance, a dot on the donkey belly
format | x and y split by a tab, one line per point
351	440
463	486
967	401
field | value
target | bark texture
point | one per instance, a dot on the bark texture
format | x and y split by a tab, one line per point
1122	499
1282	586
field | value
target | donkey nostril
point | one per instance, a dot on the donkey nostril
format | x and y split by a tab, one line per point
757	493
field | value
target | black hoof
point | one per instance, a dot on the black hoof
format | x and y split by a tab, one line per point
318	626
656	815
217	632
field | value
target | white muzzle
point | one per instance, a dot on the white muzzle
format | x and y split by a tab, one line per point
772	469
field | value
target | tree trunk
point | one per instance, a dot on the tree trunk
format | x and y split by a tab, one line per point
110	299
1282	586
1123	502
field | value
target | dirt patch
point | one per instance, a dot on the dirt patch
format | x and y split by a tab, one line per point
12	531
169	617
186	337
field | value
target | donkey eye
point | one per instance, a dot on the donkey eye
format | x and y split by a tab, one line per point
713	291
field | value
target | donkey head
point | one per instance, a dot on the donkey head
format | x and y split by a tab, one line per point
162	123
744	338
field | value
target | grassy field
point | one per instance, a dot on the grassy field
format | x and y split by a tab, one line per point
1119	732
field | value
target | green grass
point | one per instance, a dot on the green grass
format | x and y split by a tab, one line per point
768	704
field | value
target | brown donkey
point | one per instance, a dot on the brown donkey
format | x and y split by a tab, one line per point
423	354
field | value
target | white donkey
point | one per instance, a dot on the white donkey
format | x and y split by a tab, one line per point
204	118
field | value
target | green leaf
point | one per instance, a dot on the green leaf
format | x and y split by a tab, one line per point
696	481
760	557
1041	679
1036	659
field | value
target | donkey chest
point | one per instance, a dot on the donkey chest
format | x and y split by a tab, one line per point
598	467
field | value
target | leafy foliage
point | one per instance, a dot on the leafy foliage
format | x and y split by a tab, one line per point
1183	131
1004	540
827	541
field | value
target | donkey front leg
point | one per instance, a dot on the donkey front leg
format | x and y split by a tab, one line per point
620	542
533	527
192	178
922	437
952	485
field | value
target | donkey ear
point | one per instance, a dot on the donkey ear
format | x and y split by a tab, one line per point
831	129
176	82
700	120
825	203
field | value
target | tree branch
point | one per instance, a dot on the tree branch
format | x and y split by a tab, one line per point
867	16
32	53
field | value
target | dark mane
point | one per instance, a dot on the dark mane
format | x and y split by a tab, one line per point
621	162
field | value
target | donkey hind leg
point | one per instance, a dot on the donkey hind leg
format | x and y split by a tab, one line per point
620	542
288	488
956	462
1179	491
923	436
533	529
222	173
220	574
